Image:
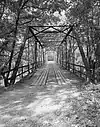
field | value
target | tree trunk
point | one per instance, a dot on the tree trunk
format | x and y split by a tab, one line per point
86	64
13	77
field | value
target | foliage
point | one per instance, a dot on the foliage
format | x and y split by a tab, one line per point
15	16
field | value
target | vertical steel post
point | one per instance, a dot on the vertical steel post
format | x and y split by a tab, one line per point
28	58
61	55
35	54
66	53
57	54
39	56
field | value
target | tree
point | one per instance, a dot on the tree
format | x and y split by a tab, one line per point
85	15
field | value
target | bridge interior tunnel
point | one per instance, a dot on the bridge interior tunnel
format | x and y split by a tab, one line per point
51	56
51	39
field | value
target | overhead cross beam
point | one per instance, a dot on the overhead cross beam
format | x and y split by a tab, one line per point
57	31
71	28
42	31
50	26
46	28
35	37
49	31
60	31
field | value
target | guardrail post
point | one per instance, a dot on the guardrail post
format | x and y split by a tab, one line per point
68	66
33	67
80	72
28	69
73	68
57	54
43	57
22	71
66	54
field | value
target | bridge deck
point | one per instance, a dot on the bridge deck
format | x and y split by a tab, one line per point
44	100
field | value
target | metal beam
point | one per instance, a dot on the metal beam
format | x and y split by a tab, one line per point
60	31
71	28
42	31
35	37
49	31
72	37
52	41
51	26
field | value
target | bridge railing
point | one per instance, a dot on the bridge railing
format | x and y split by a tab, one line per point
80	70
23	70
